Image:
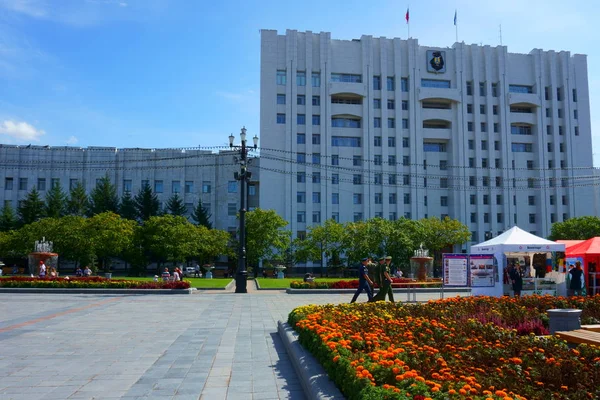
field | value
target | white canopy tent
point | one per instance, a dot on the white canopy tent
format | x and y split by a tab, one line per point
514	242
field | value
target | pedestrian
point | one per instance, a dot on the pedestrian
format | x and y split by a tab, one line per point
385	279
78	271
364	282
177	275
516	277
166	275
576	284
42	273
197	271
87	271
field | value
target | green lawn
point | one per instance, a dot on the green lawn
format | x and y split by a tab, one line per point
272	283
203	283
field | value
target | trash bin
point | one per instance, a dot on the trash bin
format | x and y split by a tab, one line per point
564	319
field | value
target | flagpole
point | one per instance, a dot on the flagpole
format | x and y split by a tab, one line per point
408	20
456	25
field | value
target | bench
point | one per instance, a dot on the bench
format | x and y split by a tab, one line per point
580	336
593	328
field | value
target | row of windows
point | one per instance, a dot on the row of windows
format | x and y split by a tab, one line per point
358	216
300	100
357	198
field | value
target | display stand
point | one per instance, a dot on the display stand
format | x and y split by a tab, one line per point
531	286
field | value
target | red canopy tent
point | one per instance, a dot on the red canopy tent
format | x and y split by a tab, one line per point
589	251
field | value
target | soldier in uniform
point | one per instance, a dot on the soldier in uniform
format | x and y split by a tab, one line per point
363	281
385	279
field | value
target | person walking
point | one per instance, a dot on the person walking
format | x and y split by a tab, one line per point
576	284
385	279
516	277
364	281
42	273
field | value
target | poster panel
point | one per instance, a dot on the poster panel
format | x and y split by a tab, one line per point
455	271
482	270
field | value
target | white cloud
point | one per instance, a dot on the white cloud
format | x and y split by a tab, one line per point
20	131
32	8
72	140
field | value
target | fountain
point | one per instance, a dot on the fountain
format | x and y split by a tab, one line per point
421	265
42	251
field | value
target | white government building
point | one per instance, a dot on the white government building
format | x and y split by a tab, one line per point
355	129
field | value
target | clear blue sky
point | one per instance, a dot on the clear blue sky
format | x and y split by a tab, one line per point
181	73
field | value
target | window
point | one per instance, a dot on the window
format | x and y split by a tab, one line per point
552	218
22	183
357	198
495	110
532	218
335	159
301	158
392	198
484	145
335	179
406	198
483	127
548	129
391	104
301	216
564	200
316	79
482	91
521	129
281	77
377	159
473	217
471	162
301	177
405	160
376	122
498	180
301	100
471	144
376	103
444	201
521	147
300	138
145	182
486	199
550	164
576	131
496	127
469	88
281	99
316	100
390	83
444	183
547	93
404	123
482	109
377	141
348	78
574	95
392	179
232	209
41	184
391	123
300	197
378	178
470	126
391	141
549	145
559	94
316	197
434	147
531	200
560	130
435	83
316	158
357	179
391	159
345	100
72	183
494	89
356	161
335	216
176	186
560	113
443	165
316	177
561	147
484	163
335	198
486	218
529	164
472	199
392	216
469	108
316	120
189	187
405	105
345	141
316	217
404	84
281	118
548	112
358	216
251	190
376	82
378	198
405	142
472	181
575	114
316	138
406	179
340	122
301	119
520	89
232	187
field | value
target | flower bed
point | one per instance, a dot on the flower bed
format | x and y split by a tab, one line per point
406	283
93	282
461	348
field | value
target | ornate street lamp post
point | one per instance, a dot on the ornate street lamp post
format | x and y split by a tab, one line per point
243	176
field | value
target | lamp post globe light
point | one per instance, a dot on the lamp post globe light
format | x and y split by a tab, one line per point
243	176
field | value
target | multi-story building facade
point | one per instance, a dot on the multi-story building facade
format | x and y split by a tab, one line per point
192	174
376	127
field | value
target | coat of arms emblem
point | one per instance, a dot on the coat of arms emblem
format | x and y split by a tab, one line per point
436	61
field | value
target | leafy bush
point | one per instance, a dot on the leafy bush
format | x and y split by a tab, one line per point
92	282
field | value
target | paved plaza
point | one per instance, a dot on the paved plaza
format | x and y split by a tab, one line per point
208	345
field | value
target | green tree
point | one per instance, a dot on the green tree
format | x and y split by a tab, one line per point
32	208
328	239
578	228
104	197
127	207
265	237
436	235
110	236
175	206
8	218
211	244
78	203
146	203
201	216
56	202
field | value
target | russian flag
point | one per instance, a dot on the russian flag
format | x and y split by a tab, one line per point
407	16
455	17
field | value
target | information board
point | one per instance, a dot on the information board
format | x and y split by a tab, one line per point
455	271
482	270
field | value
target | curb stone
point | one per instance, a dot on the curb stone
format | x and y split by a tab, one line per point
315	381
96	291
350	291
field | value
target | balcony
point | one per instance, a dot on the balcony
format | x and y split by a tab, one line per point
347	87
438	93
524	98
433	134
347	109
436	114
523	118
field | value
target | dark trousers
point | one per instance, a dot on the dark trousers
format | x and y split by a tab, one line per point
362	285
386	289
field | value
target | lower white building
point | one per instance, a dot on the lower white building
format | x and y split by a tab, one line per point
192	174
377	127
